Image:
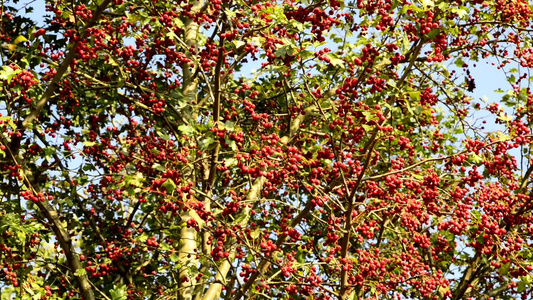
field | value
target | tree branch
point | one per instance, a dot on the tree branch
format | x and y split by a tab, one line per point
60	231
62	69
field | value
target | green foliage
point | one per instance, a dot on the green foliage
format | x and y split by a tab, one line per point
141	158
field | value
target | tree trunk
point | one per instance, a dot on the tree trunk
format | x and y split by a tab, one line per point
188	242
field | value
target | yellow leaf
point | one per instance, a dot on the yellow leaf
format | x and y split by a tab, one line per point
20	39
11	47
255	234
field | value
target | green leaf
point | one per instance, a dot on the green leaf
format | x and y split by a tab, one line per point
281	52
230	162
169	185
299	26
428	3
504	117
504	269
415	95
229	126
300	256
118	292
134	180
49	153
7	293
242	218
238	43
521	286
38	295
232	144
461	12
255	234
230	13
334	60
476	214
258	41
21	236
158	167
367	128
443	5
327	104
369	115
80	272
164	246
174	257
142	238
187	129
178	22
207	142
8	73
433	33
527	279
476	158
163	135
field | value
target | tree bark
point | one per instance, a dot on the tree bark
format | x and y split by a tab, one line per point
188	242
215	289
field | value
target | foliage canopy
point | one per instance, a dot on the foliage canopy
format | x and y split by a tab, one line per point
142	158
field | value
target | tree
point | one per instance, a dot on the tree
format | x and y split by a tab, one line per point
142	158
